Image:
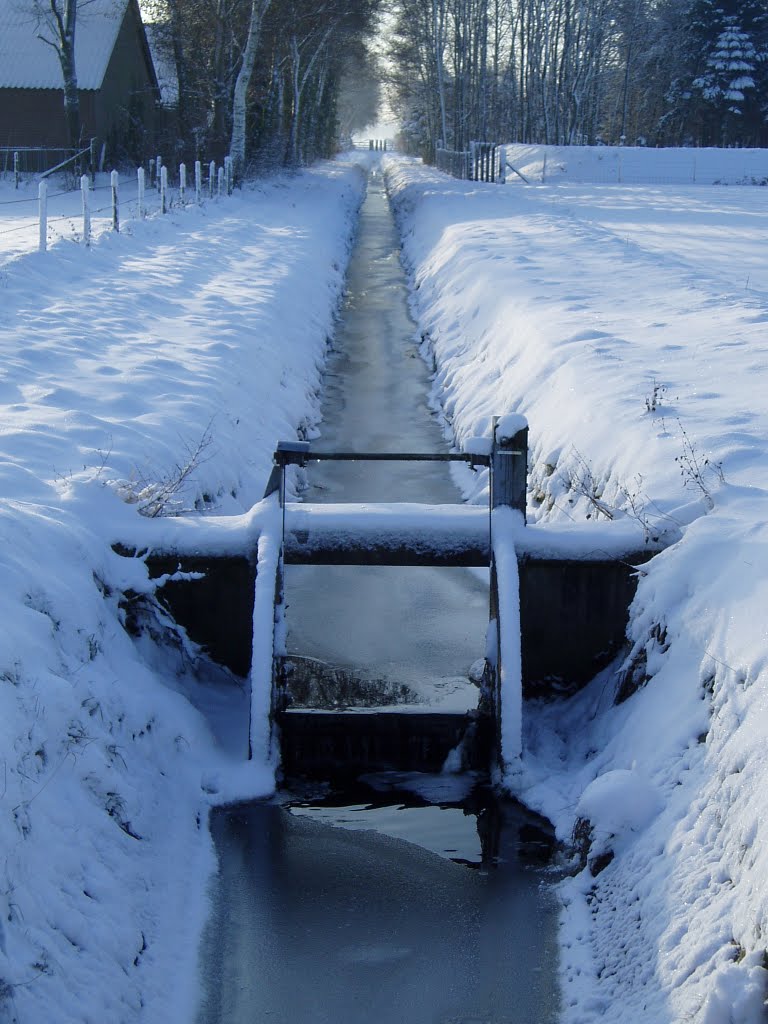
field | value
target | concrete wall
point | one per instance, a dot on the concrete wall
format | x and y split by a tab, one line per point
573	617
216	611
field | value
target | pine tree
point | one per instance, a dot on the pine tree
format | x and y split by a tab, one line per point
726	85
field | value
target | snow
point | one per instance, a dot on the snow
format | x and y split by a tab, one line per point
177	345
505	522
636	165
29	62
627	324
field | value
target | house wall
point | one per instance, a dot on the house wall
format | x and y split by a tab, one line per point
126	106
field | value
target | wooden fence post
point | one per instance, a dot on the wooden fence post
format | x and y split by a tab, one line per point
16	170
85	188
114	181
182	181
163	189
211	178
220	183
42	195
158	172
141	186
502	165
198	181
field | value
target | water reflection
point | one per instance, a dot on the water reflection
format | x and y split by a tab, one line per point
315	924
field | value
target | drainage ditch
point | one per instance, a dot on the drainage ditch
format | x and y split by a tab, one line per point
408	897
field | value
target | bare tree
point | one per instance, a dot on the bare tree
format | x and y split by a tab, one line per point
56	21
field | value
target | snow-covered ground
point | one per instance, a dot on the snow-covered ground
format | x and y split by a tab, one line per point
192	341
629	325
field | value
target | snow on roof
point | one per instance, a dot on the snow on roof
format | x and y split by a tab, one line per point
27	62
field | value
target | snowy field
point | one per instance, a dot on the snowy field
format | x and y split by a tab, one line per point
190	342
629	325
627	322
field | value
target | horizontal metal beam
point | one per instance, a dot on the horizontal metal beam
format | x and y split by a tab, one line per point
300	455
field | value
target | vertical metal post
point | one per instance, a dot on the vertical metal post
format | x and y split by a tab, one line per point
509	463
220	185
15	170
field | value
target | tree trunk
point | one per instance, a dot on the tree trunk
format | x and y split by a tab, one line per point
65	20
237	144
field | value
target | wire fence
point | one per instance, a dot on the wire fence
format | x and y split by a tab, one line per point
86	210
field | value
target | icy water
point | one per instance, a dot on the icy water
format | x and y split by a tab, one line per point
319	919
423	627
408	900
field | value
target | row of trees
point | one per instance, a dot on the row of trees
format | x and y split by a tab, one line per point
271	82
265	80
662	72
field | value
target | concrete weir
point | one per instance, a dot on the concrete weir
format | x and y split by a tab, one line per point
575	586
364	581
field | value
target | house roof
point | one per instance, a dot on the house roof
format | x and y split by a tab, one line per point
27	62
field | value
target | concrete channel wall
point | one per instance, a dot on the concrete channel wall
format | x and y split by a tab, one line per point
574	613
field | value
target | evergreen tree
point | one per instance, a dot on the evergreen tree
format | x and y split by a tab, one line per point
725	89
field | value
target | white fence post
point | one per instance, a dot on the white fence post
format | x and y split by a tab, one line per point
163	189
140	198
85	188
15	170
42	195
228	174
198	181
182	181
221	182
211	177
158	170
114	181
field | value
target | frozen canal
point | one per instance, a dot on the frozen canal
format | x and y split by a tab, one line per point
420	626
359	913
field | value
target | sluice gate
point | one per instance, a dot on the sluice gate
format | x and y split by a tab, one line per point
559	599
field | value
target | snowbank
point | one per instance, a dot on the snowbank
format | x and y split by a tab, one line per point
160	366
636	165
628	325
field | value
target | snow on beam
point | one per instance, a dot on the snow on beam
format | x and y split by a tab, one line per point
509	667
267	570
387	534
